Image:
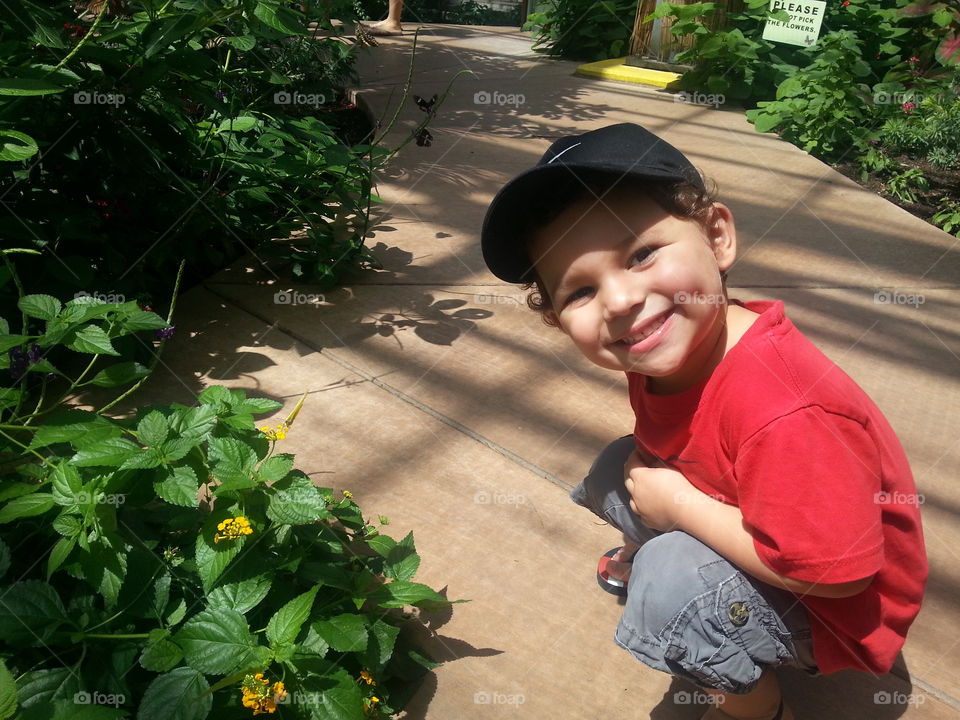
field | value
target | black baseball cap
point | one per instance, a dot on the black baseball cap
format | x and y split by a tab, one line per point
624	150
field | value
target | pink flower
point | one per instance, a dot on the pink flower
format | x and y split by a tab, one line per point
908	107
914	60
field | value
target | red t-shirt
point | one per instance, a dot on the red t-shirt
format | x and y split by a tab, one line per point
823	484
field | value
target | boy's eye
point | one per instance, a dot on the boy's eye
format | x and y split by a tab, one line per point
577	295
642	255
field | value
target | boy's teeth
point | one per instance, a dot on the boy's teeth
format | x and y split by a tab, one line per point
643	335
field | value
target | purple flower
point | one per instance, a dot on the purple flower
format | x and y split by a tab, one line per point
164	333
21	360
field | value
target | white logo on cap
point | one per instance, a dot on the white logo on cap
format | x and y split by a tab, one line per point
559	154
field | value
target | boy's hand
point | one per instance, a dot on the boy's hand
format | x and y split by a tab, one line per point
656	492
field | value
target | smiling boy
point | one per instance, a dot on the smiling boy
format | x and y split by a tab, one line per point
748	492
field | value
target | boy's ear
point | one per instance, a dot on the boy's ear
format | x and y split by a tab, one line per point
722	234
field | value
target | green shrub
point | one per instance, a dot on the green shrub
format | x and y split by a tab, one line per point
822	107
174	564
582	29
200	129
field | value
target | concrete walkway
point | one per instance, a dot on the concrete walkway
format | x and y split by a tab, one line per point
440	401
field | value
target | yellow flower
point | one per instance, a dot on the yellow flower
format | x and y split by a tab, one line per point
370	705
233	528
366	677
348	495
259	696
278	432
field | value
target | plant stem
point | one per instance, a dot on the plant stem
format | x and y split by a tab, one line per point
83	40
109	636
156	356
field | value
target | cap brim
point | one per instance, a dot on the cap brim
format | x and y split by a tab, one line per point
501	238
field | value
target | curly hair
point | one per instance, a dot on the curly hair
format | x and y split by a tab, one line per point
681	199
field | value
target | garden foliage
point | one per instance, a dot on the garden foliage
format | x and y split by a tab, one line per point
582	29
136	133
174	564
881	86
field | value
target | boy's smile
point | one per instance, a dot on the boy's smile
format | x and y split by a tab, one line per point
638	289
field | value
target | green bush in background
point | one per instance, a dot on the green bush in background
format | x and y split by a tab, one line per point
582	29
139	133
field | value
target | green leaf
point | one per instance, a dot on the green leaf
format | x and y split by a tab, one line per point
136	320
218	642
74	425
233	461
91	339
111	452
181	694
30	612
256	406
24	87
403	592
241	42
346	632
161	34
242	596
344	702
105	567
67	525
285	625
66	485
402	560
279	19
120	374
42	686
44	307
383	638
12	341
9	397
213	558
241	123
26	506
16	146
194	423
296	501
180	487
153	429
61	551
161	653
8	692
312	643
275	468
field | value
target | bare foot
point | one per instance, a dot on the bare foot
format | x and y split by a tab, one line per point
385	28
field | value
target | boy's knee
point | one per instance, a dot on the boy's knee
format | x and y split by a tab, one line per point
691	613
665	577
605	479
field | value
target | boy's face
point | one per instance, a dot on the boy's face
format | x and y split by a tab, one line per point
636	288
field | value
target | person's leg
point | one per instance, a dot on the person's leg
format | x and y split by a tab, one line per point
691	613
392	23
603	493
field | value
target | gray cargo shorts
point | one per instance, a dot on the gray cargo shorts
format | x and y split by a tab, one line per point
689	612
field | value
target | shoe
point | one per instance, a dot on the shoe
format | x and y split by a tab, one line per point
607	583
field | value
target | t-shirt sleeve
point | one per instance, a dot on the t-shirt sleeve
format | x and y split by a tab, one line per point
807	487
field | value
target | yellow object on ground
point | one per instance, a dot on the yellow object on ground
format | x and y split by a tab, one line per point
616	69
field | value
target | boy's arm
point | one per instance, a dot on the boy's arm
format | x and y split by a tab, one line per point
665	500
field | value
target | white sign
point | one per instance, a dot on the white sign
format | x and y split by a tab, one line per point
803	27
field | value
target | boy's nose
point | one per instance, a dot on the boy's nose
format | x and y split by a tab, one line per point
621	296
